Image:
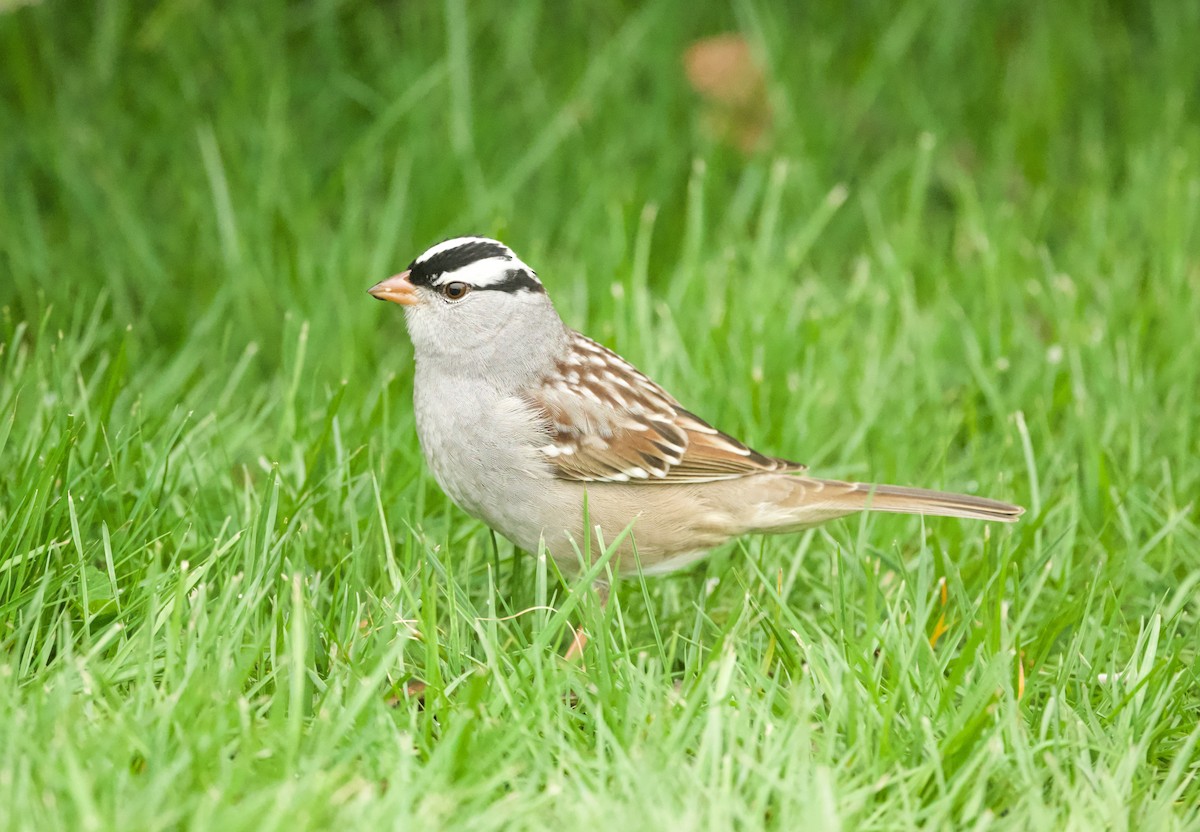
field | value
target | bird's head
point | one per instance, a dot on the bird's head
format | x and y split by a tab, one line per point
471	298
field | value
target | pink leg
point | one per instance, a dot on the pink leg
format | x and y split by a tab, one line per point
580	639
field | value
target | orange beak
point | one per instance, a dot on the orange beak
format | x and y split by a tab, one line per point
397	289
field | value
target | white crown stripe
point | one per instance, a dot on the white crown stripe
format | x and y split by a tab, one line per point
482	273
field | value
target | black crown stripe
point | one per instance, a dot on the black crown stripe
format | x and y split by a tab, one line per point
450	260
422	274
515	280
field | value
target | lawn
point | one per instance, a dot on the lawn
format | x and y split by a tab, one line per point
936	243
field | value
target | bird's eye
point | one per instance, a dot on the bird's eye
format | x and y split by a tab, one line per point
455	290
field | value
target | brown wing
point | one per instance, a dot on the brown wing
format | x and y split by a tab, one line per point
608	422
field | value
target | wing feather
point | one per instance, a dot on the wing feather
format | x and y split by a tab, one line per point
608	422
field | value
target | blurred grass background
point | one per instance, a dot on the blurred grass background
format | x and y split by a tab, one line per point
963	253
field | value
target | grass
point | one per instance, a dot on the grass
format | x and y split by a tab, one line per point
965	257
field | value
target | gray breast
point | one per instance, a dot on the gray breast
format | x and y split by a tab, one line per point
483	449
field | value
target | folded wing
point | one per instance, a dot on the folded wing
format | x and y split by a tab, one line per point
608	422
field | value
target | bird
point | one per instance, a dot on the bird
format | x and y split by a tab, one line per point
531	426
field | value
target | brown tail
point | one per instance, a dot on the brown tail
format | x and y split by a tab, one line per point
903	500
811	501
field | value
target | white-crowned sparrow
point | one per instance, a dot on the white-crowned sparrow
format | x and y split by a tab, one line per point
519	417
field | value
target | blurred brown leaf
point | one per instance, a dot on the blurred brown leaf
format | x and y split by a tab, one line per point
722	70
